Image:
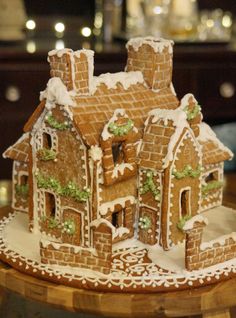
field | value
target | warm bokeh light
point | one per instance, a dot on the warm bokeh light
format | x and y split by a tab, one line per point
227	21
59	45
31	47
210	23
59	27
86	32
30	25
157	10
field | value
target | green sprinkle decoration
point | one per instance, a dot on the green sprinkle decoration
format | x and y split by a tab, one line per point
121	130
149	185
182	221
55	124
68	227
45	154
188	171
22	190
212	185
192	114
144	222
69	190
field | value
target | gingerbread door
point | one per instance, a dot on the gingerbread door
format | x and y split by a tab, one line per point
148	226
72	227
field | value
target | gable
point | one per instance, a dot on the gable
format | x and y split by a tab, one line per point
20	150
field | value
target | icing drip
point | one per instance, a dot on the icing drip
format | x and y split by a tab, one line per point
179	120
120	169
56	93
207	134
158	44
95	153
105	207
126	79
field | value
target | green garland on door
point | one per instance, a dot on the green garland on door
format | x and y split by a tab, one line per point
149	185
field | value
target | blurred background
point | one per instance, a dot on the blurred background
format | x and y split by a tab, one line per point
204	32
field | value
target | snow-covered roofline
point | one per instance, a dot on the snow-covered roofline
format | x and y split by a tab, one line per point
126	79
158	44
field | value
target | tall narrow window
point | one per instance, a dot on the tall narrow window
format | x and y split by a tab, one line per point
117	152
24	179
184	203
118	218
50	204
47	141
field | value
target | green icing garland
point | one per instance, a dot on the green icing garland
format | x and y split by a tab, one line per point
121	130
45	154
192	114
55	124
22	190
213	185
149	185
144	223
68	226
69	190
188	171
182	221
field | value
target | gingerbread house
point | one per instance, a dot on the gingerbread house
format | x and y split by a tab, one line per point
108	158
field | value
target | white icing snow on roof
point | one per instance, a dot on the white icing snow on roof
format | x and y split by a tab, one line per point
207	134
179	119
111	80
158	44
56	93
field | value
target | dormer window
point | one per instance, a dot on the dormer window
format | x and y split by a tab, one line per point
118	138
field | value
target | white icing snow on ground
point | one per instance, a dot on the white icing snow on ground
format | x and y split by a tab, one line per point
165	266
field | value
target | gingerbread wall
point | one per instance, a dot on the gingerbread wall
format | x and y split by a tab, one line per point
197	257
20	198
68	166
72	70
155	66
186	154
97	260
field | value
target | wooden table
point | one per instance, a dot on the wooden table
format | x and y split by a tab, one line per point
210	301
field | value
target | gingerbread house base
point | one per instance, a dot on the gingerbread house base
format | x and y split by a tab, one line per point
136	267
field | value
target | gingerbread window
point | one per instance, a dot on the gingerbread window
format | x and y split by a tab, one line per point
119	151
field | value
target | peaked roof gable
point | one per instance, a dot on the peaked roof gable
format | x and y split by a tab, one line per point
20	150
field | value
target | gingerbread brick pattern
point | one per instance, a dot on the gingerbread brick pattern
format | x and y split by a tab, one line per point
72	70
20	150
197	257
156	67
98	260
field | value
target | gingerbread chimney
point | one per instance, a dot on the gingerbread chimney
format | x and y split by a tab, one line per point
153	57
75	69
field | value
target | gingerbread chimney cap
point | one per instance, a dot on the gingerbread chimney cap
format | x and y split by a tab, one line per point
158	44
77	53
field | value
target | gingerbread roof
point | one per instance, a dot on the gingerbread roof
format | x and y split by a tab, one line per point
93	112
213	151
20	150
162	132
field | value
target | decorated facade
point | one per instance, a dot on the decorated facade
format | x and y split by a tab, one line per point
108	158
